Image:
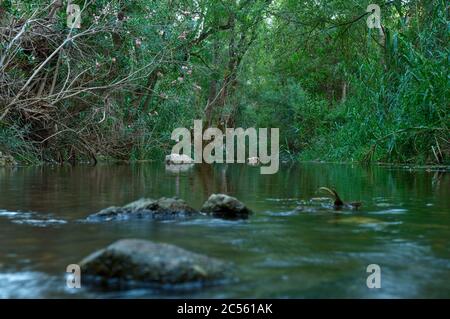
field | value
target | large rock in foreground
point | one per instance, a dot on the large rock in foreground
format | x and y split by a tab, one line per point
136	261
224	206
163	208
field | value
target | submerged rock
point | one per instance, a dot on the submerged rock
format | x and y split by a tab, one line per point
141	261
7	160
178	159
358	220
224	206
163	208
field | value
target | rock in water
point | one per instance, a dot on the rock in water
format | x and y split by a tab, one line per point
224	206
163	208
136	261
178	159
7	160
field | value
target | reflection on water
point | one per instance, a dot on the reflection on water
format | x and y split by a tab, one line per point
403	227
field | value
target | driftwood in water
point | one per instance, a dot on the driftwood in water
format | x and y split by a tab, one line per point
338	202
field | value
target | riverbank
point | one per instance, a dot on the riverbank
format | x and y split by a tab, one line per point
9	161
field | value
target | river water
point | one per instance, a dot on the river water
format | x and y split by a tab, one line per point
403	226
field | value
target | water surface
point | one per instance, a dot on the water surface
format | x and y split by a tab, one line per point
404	227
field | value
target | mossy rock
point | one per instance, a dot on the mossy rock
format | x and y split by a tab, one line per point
224	206
137	261
163	208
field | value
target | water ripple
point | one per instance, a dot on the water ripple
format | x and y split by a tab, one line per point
394	211
31	218
28	284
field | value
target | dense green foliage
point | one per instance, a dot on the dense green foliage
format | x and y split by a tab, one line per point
137	69
395	106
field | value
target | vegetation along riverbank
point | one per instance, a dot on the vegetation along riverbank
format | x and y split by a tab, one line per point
116	87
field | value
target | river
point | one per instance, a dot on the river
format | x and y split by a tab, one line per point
403	226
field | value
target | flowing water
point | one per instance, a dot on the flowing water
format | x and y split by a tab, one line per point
403	226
